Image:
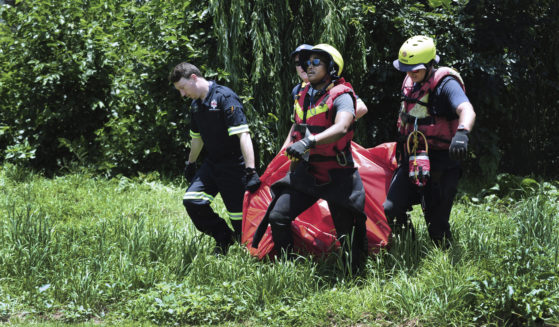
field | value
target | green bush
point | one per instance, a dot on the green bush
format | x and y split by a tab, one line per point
84	82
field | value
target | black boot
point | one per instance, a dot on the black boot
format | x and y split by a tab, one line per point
402	226
444	242
237	230
223	242
222	247
283	240
359	248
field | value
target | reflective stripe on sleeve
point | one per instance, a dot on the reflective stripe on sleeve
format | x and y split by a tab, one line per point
238	129
194	135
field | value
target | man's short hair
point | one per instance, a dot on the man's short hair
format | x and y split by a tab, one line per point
183	69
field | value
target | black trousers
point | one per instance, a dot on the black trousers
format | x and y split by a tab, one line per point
226	178
437	198
350	225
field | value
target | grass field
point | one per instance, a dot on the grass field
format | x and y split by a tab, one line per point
89	251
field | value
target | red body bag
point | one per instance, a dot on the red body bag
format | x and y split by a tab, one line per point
313	230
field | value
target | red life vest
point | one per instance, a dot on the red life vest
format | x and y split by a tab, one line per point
439	130
318	117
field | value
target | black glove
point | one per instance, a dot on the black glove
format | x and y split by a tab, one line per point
189	171
300	149
459	145
252	180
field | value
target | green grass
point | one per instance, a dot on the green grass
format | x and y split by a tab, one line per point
88	251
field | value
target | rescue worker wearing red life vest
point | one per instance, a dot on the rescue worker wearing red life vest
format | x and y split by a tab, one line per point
321	161
434	103
360	109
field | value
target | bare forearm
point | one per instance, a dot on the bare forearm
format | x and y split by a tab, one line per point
196	146
247	149
361	109
467	115
337	131
288	138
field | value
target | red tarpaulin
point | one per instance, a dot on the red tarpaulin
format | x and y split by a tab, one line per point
313	230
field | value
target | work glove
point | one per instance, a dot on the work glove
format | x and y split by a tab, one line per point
189	171
252	180
300	149
459	145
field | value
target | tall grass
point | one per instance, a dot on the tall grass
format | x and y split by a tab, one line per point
80	248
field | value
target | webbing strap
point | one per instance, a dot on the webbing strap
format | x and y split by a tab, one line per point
414	100
409	119
343	157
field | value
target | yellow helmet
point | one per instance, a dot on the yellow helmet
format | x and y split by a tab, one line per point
336	64
417	52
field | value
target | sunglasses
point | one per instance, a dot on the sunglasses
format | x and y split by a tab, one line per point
315	62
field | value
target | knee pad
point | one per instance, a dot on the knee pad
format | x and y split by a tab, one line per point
278	219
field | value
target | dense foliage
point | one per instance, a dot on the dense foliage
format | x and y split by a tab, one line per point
84	82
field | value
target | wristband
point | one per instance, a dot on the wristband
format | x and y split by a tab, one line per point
461	127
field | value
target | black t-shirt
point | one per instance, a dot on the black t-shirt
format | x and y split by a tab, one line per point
217	120
447	97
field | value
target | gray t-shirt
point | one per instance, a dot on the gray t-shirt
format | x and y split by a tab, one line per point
342	103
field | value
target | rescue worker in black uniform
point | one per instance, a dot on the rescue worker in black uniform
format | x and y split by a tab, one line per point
434	103
218	123
321	160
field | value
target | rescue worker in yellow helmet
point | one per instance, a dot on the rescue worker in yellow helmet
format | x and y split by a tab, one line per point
434	103
360	110
321	160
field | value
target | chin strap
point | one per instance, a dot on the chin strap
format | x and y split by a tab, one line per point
323	90
428	73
